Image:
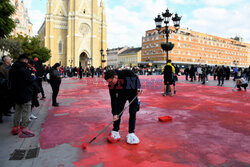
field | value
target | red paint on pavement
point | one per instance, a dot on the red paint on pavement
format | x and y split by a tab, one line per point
210	126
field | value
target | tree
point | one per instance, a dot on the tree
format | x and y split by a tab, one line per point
32	47
12	47
6	22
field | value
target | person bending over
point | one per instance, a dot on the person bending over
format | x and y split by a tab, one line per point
123	86
241	83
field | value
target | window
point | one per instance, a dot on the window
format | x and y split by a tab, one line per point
179	38
16	4
60	47
17	21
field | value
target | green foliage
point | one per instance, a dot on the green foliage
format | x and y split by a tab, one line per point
13	47
32	47
6	23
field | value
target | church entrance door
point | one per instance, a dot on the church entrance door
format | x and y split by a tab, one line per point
83	60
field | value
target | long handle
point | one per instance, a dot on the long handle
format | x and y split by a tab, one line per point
113	121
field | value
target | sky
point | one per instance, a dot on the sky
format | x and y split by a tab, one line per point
127	20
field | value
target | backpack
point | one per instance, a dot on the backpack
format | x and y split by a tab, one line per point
168	71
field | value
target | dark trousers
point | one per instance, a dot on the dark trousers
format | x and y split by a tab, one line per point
186	76
55	91
1	112
192	77
80	74
92	74
200	77
243	86
220	80
132	113
203	78
5	106
40	84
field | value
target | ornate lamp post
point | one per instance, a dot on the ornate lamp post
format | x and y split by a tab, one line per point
71	61
103	61
167	16
89	61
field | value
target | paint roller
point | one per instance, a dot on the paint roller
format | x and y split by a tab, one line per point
84	145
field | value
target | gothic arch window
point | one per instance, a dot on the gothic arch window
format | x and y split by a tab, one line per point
17	21
60	47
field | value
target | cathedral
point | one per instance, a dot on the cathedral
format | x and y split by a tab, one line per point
75	31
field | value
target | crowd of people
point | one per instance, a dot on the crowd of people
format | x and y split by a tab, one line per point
79	72
219	73
20	84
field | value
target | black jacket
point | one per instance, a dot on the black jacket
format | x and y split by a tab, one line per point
126	88
40	70
21	82
55	77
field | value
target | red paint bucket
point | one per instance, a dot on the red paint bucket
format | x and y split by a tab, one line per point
165	119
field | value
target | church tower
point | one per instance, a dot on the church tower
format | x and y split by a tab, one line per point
75	31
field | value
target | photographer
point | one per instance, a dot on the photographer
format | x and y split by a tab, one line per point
22	86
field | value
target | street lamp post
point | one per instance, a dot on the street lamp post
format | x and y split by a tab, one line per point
90	61
167	16
103	61
71	61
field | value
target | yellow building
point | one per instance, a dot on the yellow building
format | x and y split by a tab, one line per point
75	31
130	57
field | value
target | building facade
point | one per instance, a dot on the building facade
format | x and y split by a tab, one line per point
130	57
112	56
194	48
21	18
75	31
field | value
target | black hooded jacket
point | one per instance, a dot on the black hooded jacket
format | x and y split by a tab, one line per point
126	88
21	82
40	71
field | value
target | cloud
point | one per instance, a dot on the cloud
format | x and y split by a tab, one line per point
37	18
27	3
222	3
128	22
222	22
184	2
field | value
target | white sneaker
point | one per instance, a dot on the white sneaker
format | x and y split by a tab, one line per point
33	116
132	139
115	135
